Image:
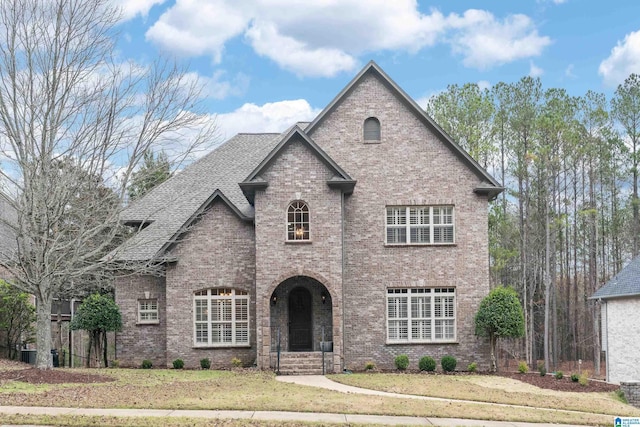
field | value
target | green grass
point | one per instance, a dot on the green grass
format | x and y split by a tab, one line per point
259	391
494	389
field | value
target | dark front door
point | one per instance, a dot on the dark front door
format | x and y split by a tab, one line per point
300	320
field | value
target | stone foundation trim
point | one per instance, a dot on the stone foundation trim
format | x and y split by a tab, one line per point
631	392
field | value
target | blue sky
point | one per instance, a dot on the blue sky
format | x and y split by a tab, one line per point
269	63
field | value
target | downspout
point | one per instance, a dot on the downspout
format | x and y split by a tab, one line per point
606	333
342	274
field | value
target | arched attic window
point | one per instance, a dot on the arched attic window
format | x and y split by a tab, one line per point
372	130
298	221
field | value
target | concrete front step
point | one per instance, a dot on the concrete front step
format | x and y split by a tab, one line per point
303	363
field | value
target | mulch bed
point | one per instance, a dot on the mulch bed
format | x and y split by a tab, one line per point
16	371
565	384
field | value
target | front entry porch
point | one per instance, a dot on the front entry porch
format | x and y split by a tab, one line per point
301	319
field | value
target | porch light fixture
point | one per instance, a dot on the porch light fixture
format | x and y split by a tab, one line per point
274	299
323	296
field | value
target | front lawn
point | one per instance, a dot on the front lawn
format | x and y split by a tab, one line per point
259	391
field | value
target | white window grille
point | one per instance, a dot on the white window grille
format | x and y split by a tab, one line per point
421	315
148	311
221	318
420	225
298	221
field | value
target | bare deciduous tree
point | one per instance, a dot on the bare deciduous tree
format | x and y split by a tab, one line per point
74	125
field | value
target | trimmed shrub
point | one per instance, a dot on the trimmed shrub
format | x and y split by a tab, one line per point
542	371
178	364
473	367
402	362
146	364
448	363
523	368
369	366
559	375
575	378
427	363
584	378
205	363
237	363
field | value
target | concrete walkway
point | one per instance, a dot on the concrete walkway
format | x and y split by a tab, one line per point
307	380
346	419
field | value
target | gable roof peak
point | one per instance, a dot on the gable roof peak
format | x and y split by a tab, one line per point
254	180
374	69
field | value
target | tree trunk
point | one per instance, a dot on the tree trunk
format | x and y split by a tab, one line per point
87	362
493	341
43	331
104	349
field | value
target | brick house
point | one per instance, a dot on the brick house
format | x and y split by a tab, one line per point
365	229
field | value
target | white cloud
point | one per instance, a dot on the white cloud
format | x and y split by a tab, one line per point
569	71
484	42
327	37
194	27
534	70
295	56
623	60
132	8
270	117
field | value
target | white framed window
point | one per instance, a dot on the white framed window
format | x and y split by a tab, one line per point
371	130
148	311
298	221
421	315
419	225
221	318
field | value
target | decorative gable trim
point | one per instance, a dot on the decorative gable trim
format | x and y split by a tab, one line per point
254	181
372	68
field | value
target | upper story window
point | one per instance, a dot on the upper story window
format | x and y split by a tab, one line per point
421	225
221	318
421	315
372	130
298	221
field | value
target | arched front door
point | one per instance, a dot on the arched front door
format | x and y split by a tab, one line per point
300	327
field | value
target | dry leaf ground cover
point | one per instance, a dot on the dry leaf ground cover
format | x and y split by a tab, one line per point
259	391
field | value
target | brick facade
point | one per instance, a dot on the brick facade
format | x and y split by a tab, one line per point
346	259
410	166
139	342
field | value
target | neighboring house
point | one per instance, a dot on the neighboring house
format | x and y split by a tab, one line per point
366	229
620	299
8	244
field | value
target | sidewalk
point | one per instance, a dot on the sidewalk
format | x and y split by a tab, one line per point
346	419
307	380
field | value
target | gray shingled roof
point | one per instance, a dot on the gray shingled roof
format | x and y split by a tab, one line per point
8	216
625	283
172	204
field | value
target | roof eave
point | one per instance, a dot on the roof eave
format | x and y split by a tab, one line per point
249	189
346	186
606	297
490	192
